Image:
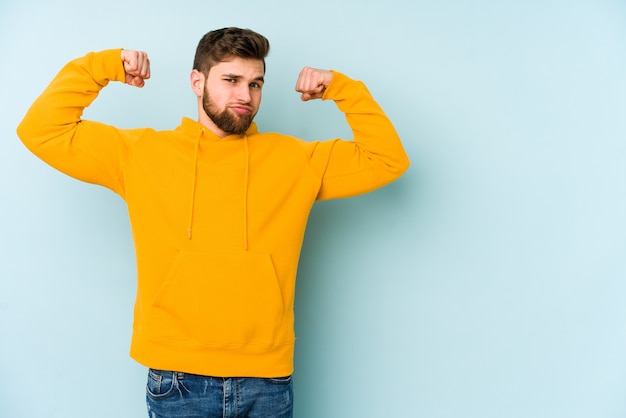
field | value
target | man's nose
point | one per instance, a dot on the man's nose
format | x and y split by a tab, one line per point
243	93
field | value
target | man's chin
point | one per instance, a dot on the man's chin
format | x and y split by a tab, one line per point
243	122
232	122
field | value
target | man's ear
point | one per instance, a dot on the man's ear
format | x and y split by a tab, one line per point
197	82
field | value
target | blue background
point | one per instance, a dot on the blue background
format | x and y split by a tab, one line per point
489	281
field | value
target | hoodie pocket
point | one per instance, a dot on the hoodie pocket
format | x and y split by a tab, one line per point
220	299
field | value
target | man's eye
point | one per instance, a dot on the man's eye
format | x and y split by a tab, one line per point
230	80
255	85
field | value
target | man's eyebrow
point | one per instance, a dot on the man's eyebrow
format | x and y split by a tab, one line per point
238	77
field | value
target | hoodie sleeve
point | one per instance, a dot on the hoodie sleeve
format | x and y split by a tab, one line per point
373	159
54	131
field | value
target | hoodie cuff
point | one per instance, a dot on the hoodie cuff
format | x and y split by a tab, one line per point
107	66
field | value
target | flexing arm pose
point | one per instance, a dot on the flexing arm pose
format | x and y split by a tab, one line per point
311	82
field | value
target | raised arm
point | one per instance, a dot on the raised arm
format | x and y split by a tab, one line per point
375	156
54	131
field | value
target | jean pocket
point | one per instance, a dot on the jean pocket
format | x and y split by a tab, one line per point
279	380
160	383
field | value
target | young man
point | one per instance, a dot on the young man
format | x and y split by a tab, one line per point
218	213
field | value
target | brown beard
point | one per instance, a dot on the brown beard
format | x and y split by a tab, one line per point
226	120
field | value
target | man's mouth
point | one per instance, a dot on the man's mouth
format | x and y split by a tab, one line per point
241	109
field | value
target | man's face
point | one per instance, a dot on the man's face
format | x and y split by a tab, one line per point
232	95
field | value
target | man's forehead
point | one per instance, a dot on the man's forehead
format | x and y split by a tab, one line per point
244	67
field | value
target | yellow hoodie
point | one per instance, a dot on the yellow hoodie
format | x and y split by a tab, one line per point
218	223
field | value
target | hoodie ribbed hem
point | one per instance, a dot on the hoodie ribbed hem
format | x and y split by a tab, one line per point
213	360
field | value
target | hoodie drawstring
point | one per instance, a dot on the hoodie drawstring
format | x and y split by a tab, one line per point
245	194
193	186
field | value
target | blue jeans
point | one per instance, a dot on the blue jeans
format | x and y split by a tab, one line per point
182	395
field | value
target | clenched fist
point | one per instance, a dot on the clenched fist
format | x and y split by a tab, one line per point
136	67
312	83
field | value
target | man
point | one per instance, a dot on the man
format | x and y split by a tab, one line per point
218	212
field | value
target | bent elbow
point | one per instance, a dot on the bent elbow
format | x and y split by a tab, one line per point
33	135
401	165
27	133
405	163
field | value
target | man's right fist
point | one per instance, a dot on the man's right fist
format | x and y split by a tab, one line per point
136	66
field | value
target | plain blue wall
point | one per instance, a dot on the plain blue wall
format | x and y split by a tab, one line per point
488	282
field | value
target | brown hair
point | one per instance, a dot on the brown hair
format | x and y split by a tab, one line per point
221	44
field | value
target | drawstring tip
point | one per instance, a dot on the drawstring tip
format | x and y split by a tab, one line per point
189	233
